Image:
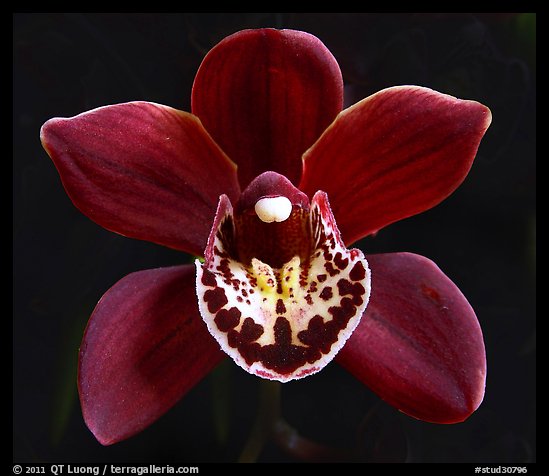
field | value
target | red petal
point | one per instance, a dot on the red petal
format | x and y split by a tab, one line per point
392	155
142	170
266	96
145	346
419	345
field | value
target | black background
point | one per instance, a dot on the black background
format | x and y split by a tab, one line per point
483	236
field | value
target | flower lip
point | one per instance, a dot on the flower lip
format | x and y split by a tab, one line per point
281	298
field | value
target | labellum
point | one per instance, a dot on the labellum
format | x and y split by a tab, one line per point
279	290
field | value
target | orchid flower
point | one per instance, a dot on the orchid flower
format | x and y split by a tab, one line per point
271	182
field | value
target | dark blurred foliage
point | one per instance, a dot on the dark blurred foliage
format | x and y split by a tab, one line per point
483	236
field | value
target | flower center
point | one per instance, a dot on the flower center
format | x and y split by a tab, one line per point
275	242
278	289
270	209
271	222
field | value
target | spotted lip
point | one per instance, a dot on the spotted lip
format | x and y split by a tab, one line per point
282	319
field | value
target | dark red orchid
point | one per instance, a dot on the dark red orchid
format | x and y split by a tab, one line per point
270	181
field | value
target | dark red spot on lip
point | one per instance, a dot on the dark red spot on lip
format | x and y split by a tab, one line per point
208	278
319	334
304	275
225	269
280	307
339	261
283	357
236	284
321	277
218	252
250	351
227	319
343	313
283	331
330	268
250	330
322	335
216	299
244	340
326	293
358	272
345	287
